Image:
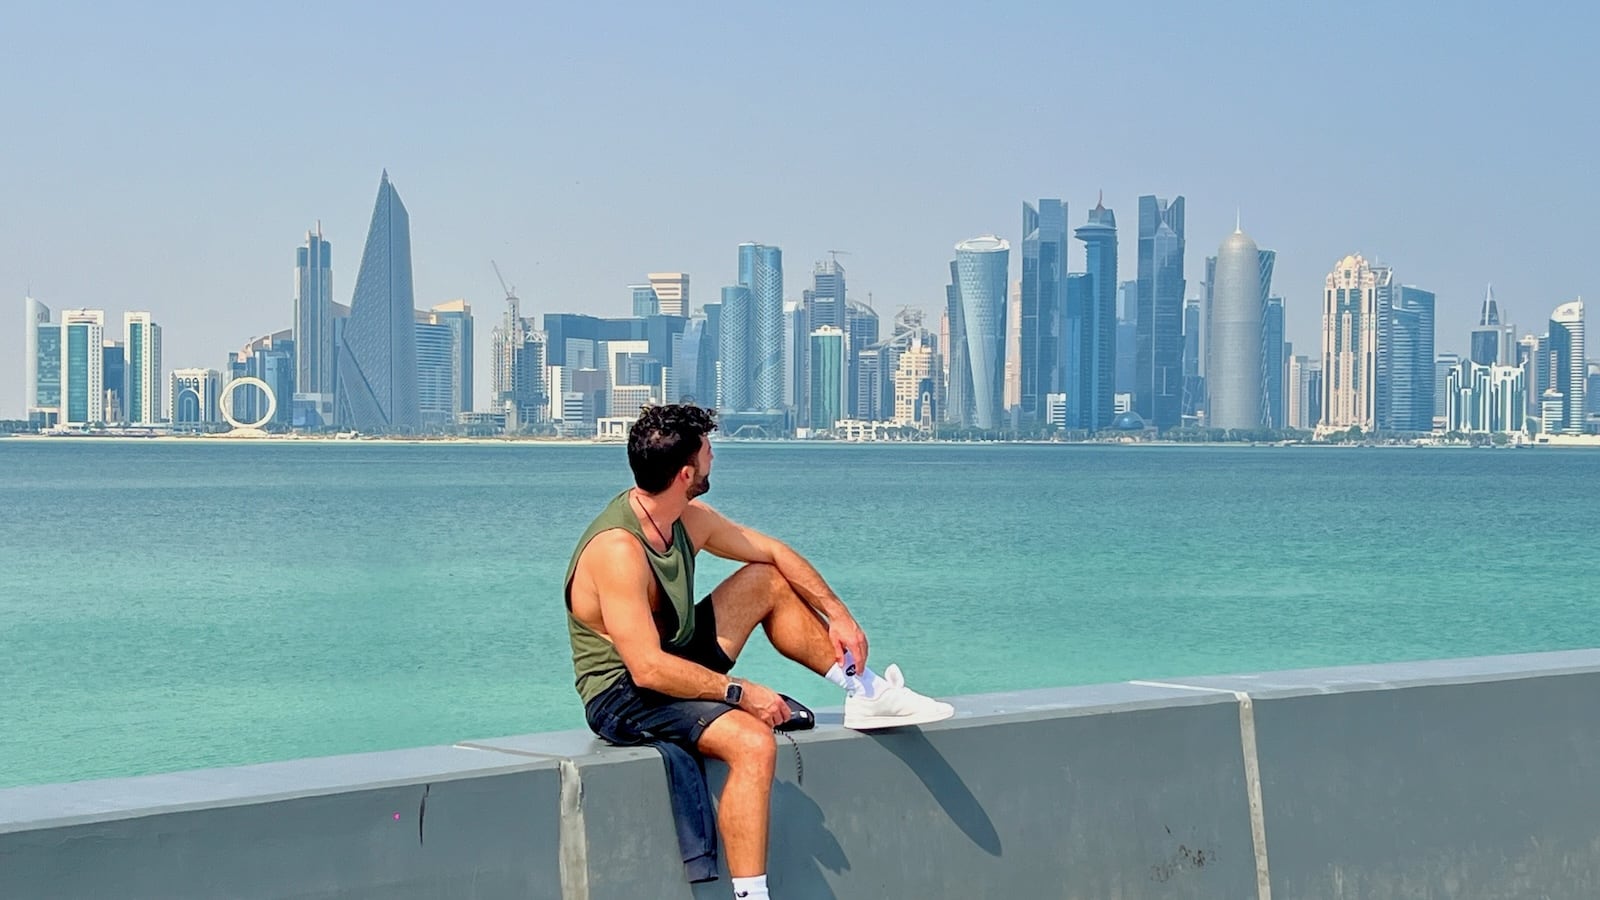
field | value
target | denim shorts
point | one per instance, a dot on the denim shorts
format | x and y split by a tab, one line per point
627	714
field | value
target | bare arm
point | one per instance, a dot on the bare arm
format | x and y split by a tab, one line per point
721	536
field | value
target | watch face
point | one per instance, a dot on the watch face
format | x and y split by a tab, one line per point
735	693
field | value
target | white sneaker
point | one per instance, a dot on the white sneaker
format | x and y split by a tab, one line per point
895	705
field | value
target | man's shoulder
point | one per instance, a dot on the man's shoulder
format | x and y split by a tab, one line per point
611	547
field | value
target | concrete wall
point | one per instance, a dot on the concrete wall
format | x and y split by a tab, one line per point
1454	779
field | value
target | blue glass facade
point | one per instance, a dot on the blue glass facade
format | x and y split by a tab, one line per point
435	374
1412	364
78	380
1044	265
115	382
1097	341
47	388
1158	364
1273	354
645	301
377	368
761	271
1077	377
958	371
733	380
827	378
981	268
313	317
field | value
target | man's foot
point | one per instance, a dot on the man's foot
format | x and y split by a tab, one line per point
895	705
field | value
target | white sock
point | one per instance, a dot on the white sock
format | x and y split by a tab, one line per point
865	682
752	888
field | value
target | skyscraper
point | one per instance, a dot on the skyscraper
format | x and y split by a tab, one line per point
1011	381
194	394
1274	361
796	353
457	316
1493	340
1568	367
981	270
1411	360
1234	379
734	345
1158	373
672	292
145	386
1040	354
435	372
761	270
377	377
35	315
313	327
1442	364
1096	351
1384	290
1127	335
1350	346
1193	326
82	367
825	302
114	381
860	332
958	368
1077	376
827	377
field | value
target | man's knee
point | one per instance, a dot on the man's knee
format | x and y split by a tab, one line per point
764	575
742	741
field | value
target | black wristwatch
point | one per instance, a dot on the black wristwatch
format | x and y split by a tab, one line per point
734	693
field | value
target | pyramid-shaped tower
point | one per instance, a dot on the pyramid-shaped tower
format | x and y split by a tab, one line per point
377	367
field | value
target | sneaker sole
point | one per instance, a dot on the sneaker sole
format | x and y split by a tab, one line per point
873	723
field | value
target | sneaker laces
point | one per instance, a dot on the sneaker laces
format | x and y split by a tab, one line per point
799	764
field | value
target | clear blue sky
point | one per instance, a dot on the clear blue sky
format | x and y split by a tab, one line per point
171	158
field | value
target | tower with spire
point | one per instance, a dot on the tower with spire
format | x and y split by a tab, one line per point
1493	342
1096	338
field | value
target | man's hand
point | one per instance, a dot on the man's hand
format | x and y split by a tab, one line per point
847	635
765	704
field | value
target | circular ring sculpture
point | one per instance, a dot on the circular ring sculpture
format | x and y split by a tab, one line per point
226	402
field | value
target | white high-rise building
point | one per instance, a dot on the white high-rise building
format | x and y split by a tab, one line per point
1350	329
142	344
672	292
194	395
35	314
1234	370
916	366
83	386
1569	367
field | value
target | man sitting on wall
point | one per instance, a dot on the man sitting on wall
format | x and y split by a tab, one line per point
652	664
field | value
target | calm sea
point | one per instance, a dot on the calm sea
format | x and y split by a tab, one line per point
177	605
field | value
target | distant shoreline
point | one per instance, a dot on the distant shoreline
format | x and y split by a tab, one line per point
1562	442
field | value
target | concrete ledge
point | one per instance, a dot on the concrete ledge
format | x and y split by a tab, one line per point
424	823
1457	778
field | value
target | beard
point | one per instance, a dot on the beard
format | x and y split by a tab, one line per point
700	486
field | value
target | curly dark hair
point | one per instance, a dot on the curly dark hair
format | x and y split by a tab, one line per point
664	440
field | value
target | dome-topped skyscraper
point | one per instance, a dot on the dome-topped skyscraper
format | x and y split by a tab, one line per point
1233	378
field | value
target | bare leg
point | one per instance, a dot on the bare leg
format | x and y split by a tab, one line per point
759	594
743	813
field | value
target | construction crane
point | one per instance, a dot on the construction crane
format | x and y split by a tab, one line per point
835	254
511	292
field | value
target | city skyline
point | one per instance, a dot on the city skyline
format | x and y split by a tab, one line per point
1455	169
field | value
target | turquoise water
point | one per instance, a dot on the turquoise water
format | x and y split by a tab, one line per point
177	605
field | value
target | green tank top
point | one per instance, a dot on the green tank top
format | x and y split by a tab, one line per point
595	660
